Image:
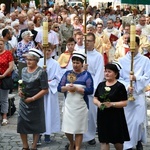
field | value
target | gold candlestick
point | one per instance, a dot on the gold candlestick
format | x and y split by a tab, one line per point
132	49
45	40
85	5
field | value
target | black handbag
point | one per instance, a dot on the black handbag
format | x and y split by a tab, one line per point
7	83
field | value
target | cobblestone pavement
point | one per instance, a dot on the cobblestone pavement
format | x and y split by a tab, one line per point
10	139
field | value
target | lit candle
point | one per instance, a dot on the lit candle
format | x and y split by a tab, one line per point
132	36
45	33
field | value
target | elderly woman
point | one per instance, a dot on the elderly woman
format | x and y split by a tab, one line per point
15	25
6	67
23	48
110	98
55	27
7	22
77	84
32	88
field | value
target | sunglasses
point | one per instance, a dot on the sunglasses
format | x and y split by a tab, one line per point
56	27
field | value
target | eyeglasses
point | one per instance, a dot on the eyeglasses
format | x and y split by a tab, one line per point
56	27
48	50
30	59
89	40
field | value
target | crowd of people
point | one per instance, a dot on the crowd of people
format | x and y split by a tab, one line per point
92	70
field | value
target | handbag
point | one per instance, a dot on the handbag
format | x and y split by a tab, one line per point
7	83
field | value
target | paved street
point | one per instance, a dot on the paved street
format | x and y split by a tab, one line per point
10	140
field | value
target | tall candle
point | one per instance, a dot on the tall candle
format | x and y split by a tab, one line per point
132	36
45	33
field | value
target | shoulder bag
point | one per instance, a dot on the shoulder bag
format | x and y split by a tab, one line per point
7	83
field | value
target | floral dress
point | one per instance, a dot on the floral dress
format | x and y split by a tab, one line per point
111	122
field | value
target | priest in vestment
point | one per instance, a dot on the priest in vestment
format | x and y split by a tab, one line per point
102	43
122	47
113	34
144	42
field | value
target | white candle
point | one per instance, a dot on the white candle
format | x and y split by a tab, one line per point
132	36
45	33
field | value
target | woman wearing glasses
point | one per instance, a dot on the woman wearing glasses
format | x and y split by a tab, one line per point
34	86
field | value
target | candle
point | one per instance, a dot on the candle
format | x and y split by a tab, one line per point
45	33
132	36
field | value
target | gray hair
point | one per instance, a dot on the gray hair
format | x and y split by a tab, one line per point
35	57
2	4
7	20
14	23
90	26
25	33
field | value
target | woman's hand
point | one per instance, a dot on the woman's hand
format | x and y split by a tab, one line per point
97	102
107	104
71	88
20	93
130	89
29	100
2	76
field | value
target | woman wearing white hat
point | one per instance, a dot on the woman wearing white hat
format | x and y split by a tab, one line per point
77	84
110	97
32	88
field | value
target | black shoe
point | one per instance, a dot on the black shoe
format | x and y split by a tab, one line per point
47	139
139	146
92	142
129	149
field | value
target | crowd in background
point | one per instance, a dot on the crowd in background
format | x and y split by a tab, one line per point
108	38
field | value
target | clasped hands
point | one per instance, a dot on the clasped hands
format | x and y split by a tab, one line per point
71	88
107	104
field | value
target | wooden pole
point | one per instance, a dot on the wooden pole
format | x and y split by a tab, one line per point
84	4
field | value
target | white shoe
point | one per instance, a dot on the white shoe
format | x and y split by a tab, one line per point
4	122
